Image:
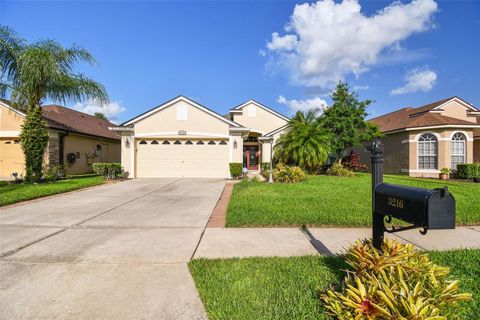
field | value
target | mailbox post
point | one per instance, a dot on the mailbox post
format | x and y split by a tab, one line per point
378	228
422	208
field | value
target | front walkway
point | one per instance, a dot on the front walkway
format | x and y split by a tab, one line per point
284	242
117	251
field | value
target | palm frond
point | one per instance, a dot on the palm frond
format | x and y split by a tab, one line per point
77	88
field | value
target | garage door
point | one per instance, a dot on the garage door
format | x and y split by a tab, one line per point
11	157
187	158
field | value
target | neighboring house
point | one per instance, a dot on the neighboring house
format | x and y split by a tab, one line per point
182	138
76	140
421	141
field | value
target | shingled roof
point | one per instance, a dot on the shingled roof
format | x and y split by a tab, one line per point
62	118
417	117
65	119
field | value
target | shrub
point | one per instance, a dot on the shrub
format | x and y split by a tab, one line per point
109	170
468	170
338	170
401	283
265	166
236	169
445	171
352	162
283	173
53	173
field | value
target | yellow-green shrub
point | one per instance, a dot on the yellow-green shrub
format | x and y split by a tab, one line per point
283	173
338	170
401	283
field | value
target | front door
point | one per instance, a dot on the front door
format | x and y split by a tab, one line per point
250	157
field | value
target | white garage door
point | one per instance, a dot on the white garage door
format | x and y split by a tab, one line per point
187	158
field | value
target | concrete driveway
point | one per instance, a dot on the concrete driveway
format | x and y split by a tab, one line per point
117	251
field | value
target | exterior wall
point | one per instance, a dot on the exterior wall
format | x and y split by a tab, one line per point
9	121
165	120
53	149
237	153
127	154
266	147
454	109
444	151
396	153
476	150
85	150
263	122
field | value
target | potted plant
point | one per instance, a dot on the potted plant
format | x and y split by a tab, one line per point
444	172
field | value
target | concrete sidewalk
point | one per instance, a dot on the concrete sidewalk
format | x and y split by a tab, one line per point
283	242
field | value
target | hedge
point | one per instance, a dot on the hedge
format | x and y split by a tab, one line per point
468	170
109	170
236	169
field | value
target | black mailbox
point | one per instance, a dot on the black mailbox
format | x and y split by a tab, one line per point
424	208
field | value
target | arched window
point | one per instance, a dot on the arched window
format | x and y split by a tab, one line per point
458	149
200	142
222	143
154	142
427	151
189	142
177	142
143	142
166	142
211	142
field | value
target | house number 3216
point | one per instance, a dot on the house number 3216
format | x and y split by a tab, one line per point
394	202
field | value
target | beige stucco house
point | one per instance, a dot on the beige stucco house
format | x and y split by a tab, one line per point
76	140
421	141
182	138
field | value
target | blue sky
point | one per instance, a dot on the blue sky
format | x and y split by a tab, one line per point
223	53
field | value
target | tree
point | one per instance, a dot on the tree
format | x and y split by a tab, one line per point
305	143
34	72
345	120
100	115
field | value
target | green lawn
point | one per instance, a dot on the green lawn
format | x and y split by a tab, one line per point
289	288
331	201
12	193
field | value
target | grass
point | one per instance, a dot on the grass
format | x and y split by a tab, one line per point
331	201
289	288
13	193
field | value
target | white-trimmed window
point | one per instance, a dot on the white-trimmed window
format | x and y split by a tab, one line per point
182	112
427	151
458	149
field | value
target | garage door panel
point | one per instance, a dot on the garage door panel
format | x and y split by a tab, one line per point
190	161
11	157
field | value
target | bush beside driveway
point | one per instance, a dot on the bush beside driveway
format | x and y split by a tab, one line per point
332	201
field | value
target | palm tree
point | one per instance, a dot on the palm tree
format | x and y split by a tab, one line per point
34	72
305	143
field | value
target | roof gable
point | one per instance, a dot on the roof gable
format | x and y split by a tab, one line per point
428	115
173	102
258	104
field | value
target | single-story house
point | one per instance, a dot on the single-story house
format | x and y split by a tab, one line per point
182	138
76	140
421	141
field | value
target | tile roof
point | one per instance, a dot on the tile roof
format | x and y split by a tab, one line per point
62	118
417	117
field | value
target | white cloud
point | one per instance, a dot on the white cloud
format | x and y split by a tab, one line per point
417	80
110	110
303	105
325	41
361	87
